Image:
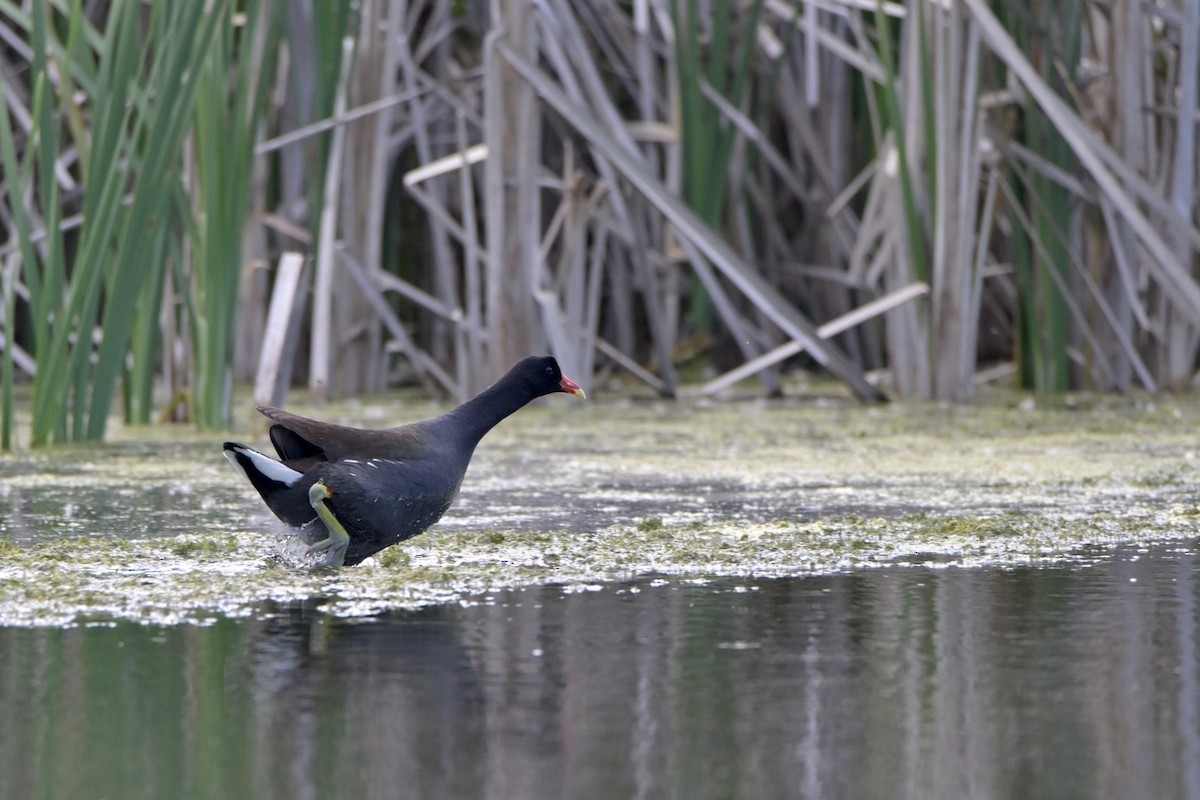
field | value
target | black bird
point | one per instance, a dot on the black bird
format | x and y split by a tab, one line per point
373	488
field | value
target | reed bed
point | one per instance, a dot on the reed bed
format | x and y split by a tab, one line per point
913	196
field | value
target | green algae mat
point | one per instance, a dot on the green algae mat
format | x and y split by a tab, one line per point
156	527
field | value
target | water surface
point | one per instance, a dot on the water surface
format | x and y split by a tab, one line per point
811	600
156	527
1077	681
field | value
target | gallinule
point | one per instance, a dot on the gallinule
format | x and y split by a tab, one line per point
372	488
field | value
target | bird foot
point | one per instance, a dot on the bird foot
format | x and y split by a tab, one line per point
332	549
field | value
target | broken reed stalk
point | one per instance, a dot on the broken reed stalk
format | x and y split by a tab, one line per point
323	331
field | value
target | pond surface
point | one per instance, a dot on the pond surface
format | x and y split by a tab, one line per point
811	600
1070	681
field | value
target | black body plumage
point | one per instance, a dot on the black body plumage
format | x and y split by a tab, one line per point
385	485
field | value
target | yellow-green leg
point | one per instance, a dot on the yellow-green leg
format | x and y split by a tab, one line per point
333	547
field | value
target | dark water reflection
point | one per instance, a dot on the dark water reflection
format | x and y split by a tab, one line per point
1078	681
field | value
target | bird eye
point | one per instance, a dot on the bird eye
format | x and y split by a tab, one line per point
549	370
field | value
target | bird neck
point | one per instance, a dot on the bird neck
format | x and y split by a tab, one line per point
474	418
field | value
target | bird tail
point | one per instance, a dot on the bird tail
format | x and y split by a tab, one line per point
283	489
265	473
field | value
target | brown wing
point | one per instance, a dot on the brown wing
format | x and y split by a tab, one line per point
307	441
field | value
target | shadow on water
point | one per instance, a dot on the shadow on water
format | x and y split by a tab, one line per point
929	683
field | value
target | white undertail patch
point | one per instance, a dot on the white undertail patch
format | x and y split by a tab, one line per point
280	473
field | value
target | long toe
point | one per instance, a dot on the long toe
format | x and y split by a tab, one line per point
329	552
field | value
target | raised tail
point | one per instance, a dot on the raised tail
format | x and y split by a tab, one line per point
282	488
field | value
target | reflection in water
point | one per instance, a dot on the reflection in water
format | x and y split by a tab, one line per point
1064	682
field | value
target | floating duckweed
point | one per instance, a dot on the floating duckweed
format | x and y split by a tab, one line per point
1178	475
652	489
977	527
394	558
202	547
